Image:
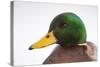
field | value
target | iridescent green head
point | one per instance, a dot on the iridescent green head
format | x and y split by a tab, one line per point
66	29
69	29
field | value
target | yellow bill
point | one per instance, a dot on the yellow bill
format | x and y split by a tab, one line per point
47	40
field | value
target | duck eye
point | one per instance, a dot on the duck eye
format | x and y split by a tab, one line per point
64	25
47	36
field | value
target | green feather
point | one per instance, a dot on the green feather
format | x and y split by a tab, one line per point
69	29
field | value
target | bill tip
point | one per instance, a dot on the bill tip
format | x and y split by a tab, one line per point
30	48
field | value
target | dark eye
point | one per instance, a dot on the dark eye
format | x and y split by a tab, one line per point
64	25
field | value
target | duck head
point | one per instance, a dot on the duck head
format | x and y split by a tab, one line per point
66	29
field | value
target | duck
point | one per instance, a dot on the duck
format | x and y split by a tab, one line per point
69	32
66	29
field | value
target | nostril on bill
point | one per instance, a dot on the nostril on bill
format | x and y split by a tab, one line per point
47	36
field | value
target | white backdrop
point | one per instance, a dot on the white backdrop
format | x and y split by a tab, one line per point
5	32
31	22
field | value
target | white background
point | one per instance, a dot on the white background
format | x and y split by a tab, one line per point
5	32
32	21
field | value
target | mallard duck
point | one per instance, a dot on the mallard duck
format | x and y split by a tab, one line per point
66	29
